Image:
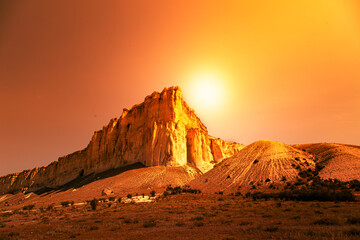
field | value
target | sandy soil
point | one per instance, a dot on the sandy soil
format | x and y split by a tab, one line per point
187	216
136	182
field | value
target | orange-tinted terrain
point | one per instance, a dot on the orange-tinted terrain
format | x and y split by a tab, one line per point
164	175
98	140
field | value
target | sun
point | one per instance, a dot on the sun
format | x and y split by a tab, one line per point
207	91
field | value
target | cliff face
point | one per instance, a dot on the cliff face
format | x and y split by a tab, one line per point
162	130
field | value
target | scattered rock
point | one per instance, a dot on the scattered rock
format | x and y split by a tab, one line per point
107	192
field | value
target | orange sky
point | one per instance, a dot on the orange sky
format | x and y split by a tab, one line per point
291	69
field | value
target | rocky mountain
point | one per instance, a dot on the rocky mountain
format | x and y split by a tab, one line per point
260	163
161	131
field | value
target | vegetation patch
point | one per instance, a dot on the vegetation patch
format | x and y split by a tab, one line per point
67	203
271	229
28	207
94	203
149	223
319	190
198	224
178	190
352	232
180	223
353	220
198	218
327	222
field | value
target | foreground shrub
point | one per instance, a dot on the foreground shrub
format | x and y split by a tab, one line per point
180	224
354	184
198	224
327	222
13	234
127	220
67	203
93	228
28	207
306	194
271	229
50	207
353	220
179	190
149	223
94	203
352	232
199	218
238	194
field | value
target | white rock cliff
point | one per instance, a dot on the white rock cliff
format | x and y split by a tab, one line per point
162	130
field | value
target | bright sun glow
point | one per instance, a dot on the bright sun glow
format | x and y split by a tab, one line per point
207	91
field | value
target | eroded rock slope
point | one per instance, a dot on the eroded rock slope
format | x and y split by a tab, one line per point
338	161
260	163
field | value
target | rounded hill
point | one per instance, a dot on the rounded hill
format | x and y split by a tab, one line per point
337	161
260	163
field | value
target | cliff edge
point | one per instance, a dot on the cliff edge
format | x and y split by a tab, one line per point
161	131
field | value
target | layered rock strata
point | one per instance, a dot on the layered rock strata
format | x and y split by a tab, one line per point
162	130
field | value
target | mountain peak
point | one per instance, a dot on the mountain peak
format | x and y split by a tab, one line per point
166	91
161	131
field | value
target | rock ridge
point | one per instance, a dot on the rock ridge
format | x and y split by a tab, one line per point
161	131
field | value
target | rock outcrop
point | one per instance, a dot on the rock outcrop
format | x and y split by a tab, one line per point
161	131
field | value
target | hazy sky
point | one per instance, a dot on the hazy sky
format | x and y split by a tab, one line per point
288	70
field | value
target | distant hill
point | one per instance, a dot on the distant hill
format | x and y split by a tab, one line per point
339	161
260	163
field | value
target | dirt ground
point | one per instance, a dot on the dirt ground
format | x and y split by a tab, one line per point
186	216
